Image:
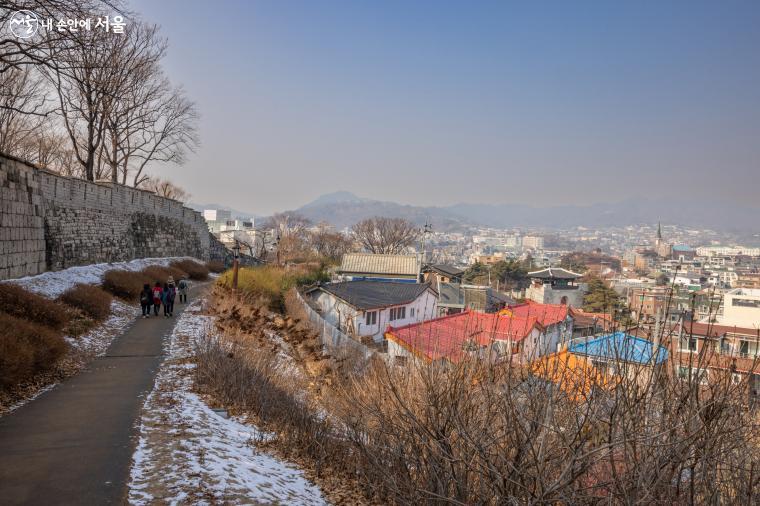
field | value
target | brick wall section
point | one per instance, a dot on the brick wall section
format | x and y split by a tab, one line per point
51	222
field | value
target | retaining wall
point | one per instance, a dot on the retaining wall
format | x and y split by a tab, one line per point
50	222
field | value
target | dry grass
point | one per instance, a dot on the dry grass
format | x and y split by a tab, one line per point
26	349
195	270
215	266
126	285
92	300
18	302
163	273
271	282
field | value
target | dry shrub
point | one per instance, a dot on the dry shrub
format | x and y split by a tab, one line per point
195	270
162	273
251	381
18	302
475	433
26	349
271	282
126	284
215	266
92	300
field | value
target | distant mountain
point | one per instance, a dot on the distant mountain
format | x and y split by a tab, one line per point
340	197
343	209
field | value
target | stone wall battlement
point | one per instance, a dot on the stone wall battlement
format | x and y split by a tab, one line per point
50	222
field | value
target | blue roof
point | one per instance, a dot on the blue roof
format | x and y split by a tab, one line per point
682	247
620	346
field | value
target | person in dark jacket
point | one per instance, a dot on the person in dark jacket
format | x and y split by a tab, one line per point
157	295
146	300
168	299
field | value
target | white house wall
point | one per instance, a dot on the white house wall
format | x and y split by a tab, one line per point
424	309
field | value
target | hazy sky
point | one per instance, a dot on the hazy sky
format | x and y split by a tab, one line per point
434	103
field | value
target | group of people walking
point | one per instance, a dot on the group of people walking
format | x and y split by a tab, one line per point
162	296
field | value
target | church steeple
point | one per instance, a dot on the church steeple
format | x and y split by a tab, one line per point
659	231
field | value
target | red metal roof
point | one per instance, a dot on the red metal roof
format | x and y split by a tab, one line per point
715	330
546	314
448	337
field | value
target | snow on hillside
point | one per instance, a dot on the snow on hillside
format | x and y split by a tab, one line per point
187	453
54	283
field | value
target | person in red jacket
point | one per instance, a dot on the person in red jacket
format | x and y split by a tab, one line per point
157	293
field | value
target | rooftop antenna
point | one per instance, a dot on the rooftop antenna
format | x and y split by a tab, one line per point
427	229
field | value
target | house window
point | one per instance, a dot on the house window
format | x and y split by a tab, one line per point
687	373
411	312
397	313
399	360
370	317
743	348
688	343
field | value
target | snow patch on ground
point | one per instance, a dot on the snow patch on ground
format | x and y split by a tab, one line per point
187	453
96	341
54	283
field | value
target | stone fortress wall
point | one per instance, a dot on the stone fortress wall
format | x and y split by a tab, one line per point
51	222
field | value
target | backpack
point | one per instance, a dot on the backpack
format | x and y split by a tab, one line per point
144	297
157	294
170	294
182	284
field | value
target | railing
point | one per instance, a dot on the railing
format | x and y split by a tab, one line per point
330	337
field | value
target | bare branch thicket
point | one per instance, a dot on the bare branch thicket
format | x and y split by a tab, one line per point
22	109
289	235
328	243
385	235
166	188
137	58
482	431
165	130
115	104
86	77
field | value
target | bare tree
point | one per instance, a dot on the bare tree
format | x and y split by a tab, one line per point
141	83
328	243
385	235
166	188
167	130
22	109
87	78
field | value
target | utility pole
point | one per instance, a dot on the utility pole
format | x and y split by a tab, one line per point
277	246
428	228
235	265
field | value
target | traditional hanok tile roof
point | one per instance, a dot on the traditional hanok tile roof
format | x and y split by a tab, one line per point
575	377
445	269
620	346
554	273
366	295
375	264
546	314
449	337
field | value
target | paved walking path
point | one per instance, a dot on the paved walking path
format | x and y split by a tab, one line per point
74	444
